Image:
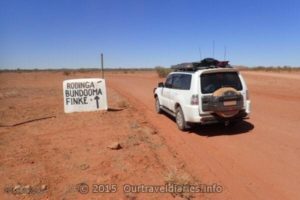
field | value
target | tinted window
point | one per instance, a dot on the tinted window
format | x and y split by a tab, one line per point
213	81
168	83
182	81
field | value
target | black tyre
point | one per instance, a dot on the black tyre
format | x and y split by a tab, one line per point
180	120
157	106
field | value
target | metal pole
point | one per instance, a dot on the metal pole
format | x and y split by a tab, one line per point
102	65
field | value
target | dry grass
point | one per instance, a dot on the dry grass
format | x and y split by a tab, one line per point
179	178
270	68
66	73
122	104
162	72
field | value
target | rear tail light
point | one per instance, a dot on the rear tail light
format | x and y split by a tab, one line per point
195	99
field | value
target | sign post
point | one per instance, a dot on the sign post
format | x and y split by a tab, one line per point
102	67
83	95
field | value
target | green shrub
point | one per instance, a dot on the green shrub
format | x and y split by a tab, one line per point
66	73
163	72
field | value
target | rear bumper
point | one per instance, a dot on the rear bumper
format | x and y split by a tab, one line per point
192	115
248	106
213	118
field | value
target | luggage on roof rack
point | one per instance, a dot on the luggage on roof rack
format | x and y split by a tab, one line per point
206	63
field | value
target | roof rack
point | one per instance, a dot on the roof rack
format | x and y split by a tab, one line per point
207	63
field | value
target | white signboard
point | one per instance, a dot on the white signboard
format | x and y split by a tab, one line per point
81	95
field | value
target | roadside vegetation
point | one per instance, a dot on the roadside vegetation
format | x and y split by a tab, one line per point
270	68
162	71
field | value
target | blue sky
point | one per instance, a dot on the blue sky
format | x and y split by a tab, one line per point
137	33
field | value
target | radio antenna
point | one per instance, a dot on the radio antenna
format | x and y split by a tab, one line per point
200	53
213	49
225	52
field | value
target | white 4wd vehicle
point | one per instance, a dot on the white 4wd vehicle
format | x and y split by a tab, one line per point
205	92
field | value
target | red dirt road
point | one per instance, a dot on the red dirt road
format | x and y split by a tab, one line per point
258	159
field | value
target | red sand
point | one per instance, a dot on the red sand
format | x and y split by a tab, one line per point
258	159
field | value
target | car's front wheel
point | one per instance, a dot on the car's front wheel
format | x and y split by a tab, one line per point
180	120
157	106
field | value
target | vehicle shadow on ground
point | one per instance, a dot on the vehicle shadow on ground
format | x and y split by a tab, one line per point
212	130
115	109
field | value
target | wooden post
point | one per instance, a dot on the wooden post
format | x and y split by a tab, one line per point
102	69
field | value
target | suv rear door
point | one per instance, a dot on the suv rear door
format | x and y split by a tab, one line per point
212	81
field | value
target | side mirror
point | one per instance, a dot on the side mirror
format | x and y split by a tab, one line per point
161	84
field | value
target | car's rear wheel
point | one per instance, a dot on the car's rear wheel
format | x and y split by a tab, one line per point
157	106
180	120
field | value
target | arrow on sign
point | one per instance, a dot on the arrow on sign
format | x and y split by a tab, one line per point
97	101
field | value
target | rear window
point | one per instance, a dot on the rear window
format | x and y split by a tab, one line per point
213	81
182	81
